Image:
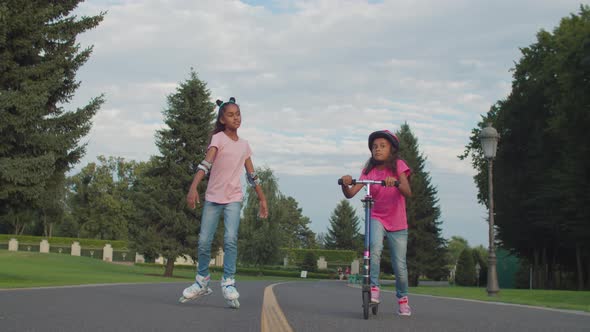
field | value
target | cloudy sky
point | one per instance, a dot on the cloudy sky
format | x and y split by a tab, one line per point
313	79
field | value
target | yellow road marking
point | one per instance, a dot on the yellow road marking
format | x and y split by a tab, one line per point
272	318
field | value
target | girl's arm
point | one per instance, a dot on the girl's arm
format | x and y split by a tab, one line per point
192	198
347	190
261	198
404	186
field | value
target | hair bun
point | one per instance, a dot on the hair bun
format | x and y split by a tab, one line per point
232	100
219	102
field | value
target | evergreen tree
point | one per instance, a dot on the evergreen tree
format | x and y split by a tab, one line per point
465	275
426	246
164	224
343	232
294	226
309	262
39	139
320	240
260	239
285	227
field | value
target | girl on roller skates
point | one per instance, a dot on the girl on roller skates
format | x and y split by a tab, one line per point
226	155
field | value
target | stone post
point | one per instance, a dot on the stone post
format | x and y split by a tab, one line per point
107	253
76	248
13	245
44	246
354	267
219	258
139	258
322	264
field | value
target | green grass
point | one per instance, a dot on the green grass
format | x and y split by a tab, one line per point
27	269
570	300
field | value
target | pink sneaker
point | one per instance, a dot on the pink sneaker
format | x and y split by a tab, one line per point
375	294
404	307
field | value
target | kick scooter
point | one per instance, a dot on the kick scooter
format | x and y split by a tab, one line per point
366	287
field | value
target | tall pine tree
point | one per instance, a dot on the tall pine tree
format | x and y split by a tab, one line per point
164	224
39	139
344	229
426	247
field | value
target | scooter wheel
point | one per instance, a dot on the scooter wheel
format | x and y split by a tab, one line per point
366	304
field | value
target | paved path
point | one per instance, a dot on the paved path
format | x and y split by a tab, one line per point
330	306
307	306
139	307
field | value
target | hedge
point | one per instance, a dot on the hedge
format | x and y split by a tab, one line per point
252	271
331	256
64	241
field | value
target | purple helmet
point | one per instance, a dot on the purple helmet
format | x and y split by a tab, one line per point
388	135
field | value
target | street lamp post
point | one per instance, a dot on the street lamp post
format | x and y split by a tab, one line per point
477	269
489	142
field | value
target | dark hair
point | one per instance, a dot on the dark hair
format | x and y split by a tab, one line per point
219	127
390	163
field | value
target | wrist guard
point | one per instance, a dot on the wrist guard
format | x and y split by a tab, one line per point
253	179
204	166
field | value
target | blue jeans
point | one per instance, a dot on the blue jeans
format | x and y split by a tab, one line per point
398	243
209	221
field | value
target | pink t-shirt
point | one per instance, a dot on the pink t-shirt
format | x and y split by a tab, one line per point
390	204
224	180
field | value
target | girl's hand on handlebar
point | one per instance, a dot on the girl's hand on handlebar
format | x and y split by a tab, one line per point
346	180
390	181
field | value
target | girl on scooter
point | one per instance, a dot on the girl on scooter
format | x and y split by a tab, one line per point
388	217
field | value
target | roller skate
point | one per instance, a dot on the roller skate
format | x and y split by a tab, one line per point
198	289
230	293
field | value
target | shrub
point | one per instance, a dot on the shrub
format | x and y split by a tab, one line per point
465	274
340	257
309	262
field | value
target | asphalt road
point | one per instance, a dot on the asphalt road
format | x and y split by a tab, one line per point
139	307
330	306
308	306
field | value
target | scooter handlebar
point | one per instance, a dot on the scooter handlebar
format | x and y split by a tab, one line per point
354	181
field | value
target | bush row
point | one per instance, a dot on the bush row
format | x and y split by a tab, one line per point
334	257
253	271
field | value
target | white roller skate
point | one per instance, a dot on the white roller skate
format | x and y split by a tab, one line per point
198	289
230	293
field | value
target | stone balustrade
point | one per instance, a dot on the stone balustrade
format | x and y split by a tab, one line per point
107	256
